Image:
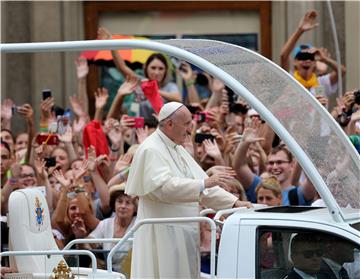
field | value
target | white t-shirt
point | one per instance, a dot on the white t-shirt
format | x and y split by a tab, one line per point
329	89
105	229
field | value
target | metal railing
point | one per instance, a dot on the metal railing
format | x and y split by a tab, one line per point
93	240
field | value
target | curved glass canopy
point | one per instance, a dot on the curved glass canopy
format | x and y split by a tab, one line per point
321	147
309	123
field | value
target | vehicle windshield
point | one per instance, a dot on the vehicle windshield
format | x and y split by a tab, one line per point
318	135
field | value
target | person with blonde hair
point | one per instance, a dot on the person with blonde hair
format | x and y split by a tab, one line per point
269	191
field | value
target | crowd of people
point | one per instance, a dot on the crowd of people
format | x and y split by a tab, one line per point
83	161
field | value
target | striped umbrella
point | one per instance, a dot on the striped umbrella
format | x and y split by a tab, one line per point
131	55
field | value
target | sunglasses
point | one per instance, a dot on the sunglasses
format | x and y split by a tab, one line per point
312	253
303	56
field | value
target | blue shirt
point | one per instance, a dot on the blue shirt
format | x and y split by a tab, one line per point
251	195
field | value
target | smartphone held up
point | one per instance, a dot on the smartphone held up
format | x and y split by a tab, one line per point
46	93
139	122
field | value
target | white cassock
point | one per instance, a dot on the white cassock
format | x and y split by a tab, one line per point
168	182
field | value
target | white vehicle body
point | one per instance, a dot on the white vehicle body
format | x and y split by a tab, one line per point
239	245
318	143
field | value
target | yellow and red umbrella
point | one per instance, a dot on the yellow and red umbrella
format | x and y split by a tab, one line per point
131	55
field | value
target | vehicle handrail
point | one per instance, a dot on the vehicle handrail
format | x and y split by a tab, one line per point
207	211
92	240
222	212
54	252
169	220
229	211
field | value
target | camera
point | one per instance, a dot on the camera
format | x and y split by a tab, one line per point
200	137
193	109
50	162
357	97
233	105
46	93
14	109
201	117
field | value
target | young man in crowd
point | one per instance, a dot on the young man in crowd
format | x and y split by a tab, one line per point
305	64
280	164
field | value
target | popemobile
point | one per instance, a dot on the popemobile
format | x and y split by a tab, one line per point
261	242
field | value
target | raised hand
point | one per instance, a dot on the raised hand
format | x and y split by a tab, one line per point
103	160
308	21
91	158
78	228
46	106
348	100
142	134
101	97
81	170
224	108
104	34
212	149
123	162
15	170
355	116
128	86
185	71
323	53
67	136
232	139
40	168
61	178
125	121
340	107
6	109
26	111
217	85
79	125
323	100
115	132
82	68
220	140
250	131
77	107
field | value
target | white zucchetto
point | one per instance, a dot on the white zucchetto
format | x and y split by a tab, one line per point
168	109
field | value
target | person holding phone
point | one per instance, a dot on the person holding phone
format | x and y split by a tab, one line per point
169	183
306	58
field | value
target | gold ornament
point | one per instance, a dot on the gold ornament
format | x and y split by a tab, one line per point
62	271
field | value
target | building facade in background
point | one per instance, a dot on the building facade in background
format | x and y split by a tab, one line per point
261	26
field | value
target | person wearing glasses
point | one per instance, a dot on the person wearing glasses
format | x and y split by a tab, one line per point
306	255
311	64
280	164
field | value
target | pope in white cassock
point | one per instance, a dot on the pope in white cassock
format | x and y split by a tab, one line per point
170	184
